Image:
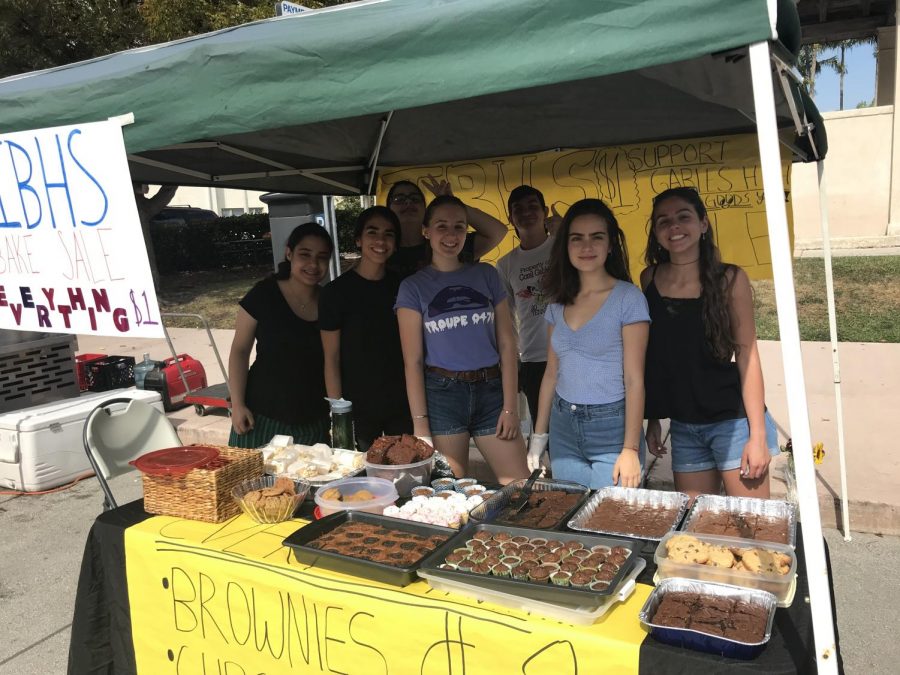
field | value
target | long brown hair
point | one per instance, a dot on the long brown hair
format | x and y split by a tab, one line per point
562	281
716	277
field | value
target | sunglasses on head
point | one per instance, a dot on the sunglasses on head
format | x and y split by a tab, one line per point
411	198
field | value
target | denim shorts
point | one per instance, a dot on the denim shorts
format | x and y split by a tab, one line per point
455	407
586	440
718	445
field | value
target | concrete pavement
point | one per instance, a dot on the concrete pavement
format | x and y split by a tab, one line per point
871	398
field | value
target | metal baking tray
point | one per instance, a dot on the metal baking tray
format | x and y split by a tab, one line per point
490	510
544	592
771	508
638	496
576	613
693	639
345	564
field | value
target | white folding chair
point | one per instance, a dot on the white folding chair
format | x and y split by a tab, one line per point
114	438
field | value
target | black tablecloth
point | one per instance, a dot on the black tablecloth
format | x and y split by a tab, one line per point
791	648
101	627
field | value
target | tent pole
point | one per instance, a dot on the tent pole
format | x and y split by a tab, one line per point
795	386
373	160
835	360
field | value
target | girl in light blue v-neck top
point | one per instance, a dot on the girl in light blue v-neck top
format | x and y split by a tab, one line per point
592	394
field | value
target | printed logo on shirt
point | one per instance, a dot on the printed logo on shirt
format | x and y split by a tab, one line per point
456	298
533	292
468	306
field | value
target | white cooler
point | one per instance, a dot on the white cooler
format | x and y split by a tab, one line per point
41	447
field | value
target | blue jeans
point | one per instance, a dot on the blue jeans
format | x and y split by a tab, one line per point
718	445
455	406
586	440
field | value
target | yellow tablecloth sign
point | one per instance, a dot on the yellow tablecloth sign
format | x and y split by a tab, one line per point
229	599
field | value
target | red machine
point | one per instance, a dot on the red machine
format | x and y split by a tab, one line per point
168	380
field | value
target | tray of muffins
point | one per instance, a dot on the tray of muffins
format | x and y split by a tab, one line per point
368	545
550	504
545	566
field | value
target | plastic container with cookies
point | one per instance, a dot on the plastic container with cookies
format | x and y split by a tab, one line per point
270	499
371	495
729	560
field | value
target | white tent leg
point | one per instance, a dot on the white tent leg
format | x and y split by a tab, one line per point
798	411
835	360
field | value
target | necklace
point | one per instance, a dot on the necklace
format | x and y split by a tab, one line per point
689	262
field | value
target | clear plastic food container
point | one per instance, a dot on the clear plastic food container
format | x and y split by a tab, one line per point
383	495
782	586
403	476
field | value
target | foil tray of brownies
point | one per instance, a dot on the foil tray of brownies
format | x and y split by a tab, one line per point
550	504
745	517
541	565
709	617
631	512
367	545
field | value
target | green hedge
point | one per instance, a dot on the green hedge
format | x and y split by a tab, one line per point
187	247
183	247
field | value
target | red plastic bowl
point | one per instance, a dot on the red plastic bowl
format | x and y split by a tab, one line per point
174	461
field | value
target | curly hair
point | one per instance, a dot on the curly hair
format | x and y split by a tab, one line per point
716	277
562	281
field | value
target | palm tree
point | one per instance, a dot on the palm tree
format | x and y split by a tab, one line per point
811	65
843	46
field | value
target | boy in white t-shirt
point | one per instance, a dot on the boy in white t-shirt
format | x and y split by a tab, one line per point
521	271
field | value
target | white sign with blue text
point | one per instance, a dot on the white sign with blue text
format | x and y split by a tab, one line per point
284	8
72	256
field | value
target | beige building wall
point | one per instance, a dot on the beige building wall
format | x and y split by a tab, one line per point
857	176
223	201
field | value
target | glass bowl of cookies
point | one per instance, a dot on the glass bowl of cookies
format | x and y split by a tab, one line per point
270	499
368	494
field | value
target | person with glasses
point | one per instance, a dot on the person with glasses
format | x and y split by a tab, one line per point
408	202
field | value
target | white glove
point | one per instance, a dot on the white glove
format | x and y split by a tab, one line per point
536	447
427	439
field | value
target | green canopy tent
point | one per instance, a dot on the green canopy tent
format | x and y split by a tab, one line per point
309	103
316	102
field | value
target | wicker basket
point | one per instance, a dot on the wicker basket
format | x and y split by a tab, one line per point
203	494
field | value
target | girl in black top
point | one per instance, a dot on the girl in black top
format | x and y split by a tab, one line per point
702	368
360	337
284	390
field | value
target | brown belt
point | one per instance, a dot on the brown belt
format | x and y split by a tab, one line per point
480	375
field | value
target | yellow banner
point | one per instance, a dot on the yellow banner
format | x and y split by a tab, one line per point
725	169
229	599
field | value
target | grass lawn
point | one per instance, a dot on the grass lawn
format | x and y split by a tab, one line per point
867	300
867	296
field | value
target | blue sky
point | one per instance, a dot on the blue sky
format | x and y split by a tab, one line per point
859	82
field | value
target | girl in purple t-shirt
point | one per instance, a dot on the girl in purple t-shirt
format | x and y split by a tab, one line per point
459	351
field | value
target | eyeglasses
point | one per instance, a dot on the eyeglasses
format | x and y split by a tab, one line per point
411	198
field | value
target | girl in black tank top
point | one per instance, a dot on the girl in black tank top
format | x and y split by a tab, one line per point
702	366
